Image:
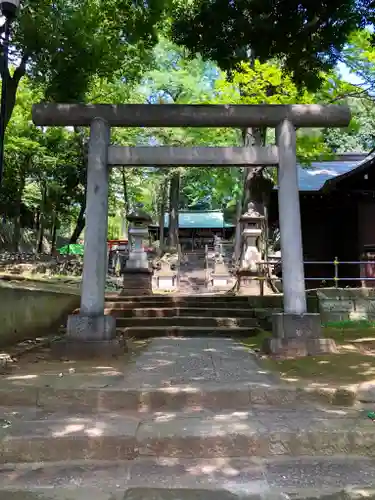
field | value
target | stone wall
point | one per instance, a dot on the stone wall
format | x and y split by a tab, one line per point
343	304
30	308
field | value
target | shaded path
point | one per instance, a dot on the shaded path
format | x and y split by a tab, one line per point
195	361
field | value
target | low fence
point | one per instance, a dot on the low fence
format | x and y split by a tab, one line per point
335	277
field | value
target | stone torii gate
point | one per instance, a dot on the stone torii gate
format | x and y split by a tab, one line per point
93	332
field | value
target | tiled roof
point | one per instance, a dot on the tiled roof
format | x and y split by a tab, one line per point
313	177
199	220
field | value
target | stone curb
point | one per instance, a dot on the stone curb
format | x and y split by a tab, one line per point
214	398
87	493
163	478
86	439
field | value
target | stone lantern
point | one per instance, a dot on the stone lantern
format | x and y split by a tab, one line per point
251	222
137	273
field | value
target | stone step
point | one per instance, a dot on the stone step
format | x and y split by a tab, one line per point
144	332
120	309
84	394
213	304
195	322
260	432
320	478
197	300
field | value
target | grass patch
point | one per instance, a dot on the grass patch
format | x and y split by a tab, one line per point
256	342
362	324
354	363
343	368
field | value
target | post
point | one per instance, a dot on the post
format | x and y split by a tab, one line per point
290	221
336	278
92	333
95	257
3	106
295	331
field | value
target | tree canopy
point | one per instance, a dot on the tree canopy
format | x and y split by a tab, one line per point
63	53
306	37
62	45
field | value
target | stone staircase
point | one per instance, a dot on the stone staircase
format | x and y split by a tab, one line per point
184	419
193	273
189	316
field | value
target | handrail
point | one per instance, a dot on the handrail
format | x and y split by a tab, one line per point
336	278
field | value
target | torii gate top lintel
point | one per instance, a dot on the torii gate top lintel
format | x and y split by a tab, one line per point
92	324
192	115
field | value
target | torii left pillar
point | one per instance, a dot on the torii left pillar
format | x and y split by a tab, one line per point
92	333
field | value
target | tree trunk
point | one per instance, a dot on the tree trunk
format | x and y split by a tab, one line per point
54	232
174	194
80	224
237	234
162	207
37	218
126	205
42	219
12	86
17	218
253	137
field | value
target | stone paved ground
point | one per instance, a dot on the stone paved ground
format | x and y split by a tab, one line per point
186	419
192	274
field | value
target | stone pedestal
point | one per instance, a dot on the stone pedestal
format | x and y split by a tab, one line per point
166	280
295	335
137	282
221	281
137	274
247	285
166	277
89	336
221	278
251	254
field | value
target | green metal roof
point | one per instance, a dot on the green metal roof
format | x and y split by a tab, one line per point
199	220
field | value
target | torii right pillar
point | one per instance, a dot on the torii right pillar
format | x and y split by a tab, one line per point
296	332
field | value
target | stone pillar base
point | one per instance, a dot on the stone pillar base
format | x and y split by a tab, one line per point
86	349
137	282
297	348
89	337
295	335
91	328
296	326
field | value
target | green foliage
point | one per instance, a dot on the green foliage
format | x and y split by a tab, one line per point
63	45
45	169
267	83
69	41
359	56
306	36
360	135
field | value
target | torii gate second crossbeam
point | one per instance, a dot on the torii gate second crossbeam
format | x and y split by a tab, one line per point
92	327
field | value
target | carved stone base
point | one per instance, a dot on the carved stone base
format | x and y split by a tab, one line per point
295	348
295	335
137	282
91	328
86	349
296	326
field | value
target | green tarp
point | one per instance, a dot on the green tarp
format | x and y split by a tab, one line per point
72	249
